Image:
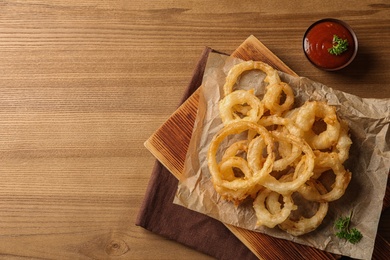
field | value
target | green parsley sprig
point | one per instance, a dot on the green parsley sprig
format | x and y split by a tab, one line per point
352	235
339	46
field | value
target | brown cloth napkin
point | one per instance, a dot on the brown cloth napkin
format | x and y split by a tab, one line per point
159	215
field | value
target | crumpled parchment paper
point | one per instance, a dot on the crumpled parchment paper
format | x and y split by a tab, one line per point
369	160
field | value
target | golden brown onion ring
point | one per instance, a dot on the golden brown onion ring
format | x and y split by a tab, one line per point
303	170
343	144
240	97
343	177
239	188
271	78
303	225
226	168
286	149
235	148
307	115
264	216
273	96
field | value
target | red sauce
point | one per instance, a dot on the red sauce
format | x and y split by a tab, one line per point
319	38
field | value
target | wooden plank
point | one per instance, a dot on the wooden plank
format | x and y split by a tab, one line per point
179	125
253	49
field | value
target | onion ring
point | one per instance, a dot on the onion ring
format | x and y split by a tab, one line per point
343	177
239	188
231	153
305	118
343	144
235	148
240	97
286	149
264	216
273	95
271	78
303	225
304	168
226	168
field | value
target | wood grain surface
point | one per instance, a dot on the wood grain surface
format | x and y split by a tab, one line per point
84	83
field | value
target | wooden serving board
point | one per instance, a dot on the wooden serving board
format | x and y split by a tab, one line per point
169	144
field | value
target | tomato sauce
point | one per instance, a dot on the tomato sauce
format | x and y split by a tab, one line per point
319	38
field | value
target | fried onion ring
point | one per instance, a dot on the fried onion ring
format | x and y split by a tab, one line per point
240	97
343	144
303	170
286	149
264	216
308	114
302	225
226	167
272	98
235	148
238	188
343	177
271	78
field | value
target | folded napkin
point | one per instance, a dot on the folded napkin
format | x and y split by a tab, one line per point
159	215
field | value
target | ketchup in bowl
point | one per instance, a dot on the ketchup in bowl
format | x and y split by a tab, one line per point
325	34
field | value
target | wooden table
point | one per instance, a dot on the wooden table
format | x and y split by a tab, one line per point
84	83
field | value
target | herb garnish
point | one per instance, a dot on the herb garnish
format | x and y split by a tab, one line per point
343	225
339	46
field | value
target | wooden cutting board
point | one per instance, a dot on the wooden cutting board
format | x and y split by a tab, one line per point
169	144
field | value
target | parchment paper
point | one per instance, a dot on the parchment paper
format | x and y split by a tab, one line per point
369	161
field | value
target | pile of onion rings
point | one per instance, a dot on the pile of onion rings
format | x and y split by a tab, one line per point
272	152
